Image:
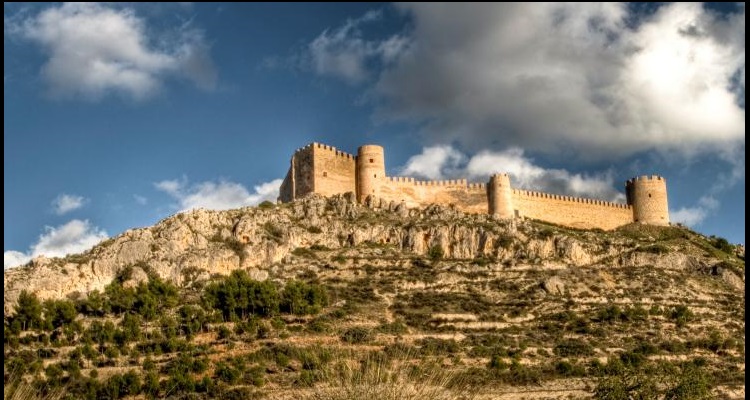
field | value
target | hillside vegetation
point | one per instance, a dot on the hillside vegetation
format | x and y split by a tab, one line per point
328	299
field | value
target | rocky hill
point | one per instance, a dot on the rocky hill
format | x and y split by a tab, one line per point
511	309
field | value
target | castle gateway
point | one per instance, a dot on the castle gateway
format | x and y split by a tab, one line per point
317	168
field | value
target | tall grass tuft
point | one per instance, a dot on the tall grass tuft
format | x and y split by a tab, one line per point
18	389
379	377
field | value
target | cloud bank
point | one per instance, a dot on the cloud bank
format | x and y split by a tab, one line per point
70	238
94	49
221	195
584	81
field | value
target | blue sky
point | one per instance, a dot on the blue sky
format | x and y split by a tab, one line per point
118	115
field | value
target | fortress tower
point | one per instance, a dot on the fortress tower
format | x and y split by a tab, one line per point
499	196
648	197
370	170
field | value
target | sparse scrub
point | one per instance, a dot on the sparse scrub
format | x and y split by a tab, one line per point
266	205
436	253
357	335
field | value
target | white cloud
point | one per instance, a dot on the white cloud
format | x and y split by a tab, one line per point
140	199
342	53
12	258
94	49
442	162
171	187
70	238
433	162
589	81
220	195
66	203
692	216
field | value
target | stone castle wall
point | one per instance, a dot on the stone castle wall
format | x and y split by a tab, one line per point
467	197
333	170
299	179
322	169
317	168
575	212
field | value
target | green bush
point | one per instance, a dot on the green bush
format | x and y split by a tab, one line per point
265	205
573	347
59	313
238	297
304	252
357	335
273	232
227	373
722	244
436	253
301	298
681	315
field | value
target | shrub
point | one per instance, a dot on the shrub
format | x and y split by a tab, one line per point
273	232
303	252
224	332
655	249
681	315
314	229
497	363
227	373
394	328
722	244
436	252
238	297
265	205
692	384
357	335
573	347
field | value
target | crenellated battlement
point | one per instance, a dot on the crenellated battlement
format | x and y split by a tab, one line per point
477	187
644	178
456	183
500	175
324	169
332	150
572	199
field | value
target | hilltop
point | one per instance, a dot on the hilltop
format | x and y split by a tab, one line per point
299	300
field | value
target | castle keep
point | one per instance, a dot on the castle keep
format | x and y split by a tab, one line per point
317	168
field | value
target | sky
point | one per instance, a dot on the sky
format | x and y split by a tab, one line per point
119	115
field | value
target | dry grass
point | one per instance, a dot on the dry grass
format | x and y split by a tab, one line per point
381	378
19	389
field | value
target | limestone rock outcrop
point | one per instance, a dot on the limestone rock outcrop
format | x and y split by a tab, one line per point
264	240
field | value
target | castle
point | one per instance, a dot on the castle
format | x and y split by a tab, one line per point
322	169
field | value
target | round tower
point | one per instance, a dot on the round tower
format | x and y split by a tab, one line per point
648	196
499	196
370	170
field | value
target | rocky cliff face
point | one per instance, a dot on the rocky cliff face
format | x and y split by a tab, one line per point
271	241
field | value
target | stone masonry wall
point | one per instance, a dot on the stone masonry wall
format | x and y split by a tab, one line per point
571	211
299	180
467	197
334	170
